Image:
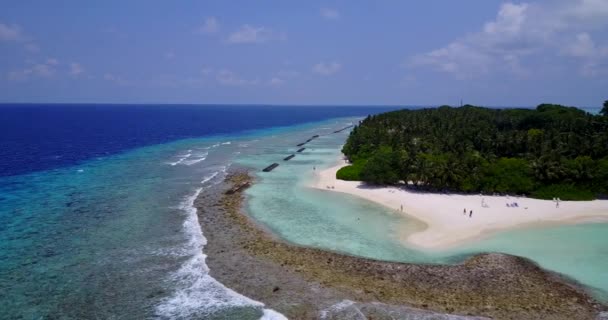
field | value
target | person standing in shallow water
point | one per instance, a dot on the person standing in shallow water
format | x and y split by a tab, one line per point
470	213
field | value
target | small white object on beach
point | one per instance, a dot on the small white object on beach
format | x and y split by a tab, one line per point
444	229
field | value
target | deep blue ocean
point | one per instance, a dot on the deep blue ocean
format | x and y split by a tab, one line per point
96	216
38	136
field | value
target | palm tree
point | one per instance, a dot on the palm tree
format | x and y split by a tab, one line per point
604	111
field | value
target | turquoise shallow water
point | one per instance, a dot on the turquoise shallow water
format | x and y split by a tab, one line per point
578	251
339	222
117	237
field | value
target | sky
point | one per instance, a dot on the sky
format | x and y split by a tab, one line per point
433	52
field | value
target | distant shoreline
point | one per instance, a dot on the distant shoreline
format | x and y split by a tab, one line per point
447	225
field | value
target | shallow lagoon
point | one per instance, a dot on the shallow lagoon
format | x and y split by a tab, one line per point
343	223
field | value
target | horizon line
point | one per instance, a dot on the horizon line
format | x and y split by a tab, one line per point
284	105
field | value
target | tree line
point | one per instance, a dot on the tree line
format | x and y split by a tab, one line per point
551	151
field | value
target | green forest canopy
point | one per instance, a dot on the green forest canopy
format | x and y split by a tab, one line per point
551	151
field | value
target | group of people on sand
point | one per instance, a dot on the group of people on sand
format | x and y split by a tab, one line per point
557	200
470	212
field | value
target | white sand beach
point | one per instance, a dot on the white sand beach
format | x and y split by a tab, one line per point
448	226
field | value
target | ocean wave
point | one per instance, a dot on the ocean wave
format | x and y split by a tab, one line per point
340	306
200	157
194	161
209	177
197	292
181	159
190	158
270	314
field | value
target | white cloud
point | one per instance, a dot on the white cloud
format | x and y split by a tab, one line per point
13	33
46	69
276	81
329	14
326	69
76	69
521	31
229	78
210	26
252	34
595	58
118	80
10	32
287	74
582	46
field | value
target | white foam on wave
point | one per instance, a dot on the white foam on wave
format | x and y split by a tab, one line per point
197	292
182	158
209	177
194	161
344	304
226	143
270	314
200	157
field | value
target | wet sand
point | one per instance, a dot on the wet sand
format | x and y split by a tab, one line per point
307	283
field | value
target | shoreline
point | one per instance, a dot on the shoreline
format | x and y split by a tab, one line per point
447	226
309	283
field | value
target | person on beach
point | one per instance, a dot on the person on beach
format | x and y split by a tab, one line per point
470	213
314	168
401	208
465	211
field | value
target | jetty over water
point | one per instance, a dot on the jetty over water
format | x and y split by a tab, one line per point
301	149
289	157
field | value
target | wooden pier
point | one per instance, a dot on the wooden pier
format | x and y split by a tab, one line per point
289	157
301	149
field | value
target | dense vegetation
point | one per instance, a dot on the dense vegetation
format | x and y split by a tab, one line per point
552	151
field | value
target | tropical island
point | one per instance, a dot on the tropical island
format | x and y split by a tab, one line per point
470	172
551	152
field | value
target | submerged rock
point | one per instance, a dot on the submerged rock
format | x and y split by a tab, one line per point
318	284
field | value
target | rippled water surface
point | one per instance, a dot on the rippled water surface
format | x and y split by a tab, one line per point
115	236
